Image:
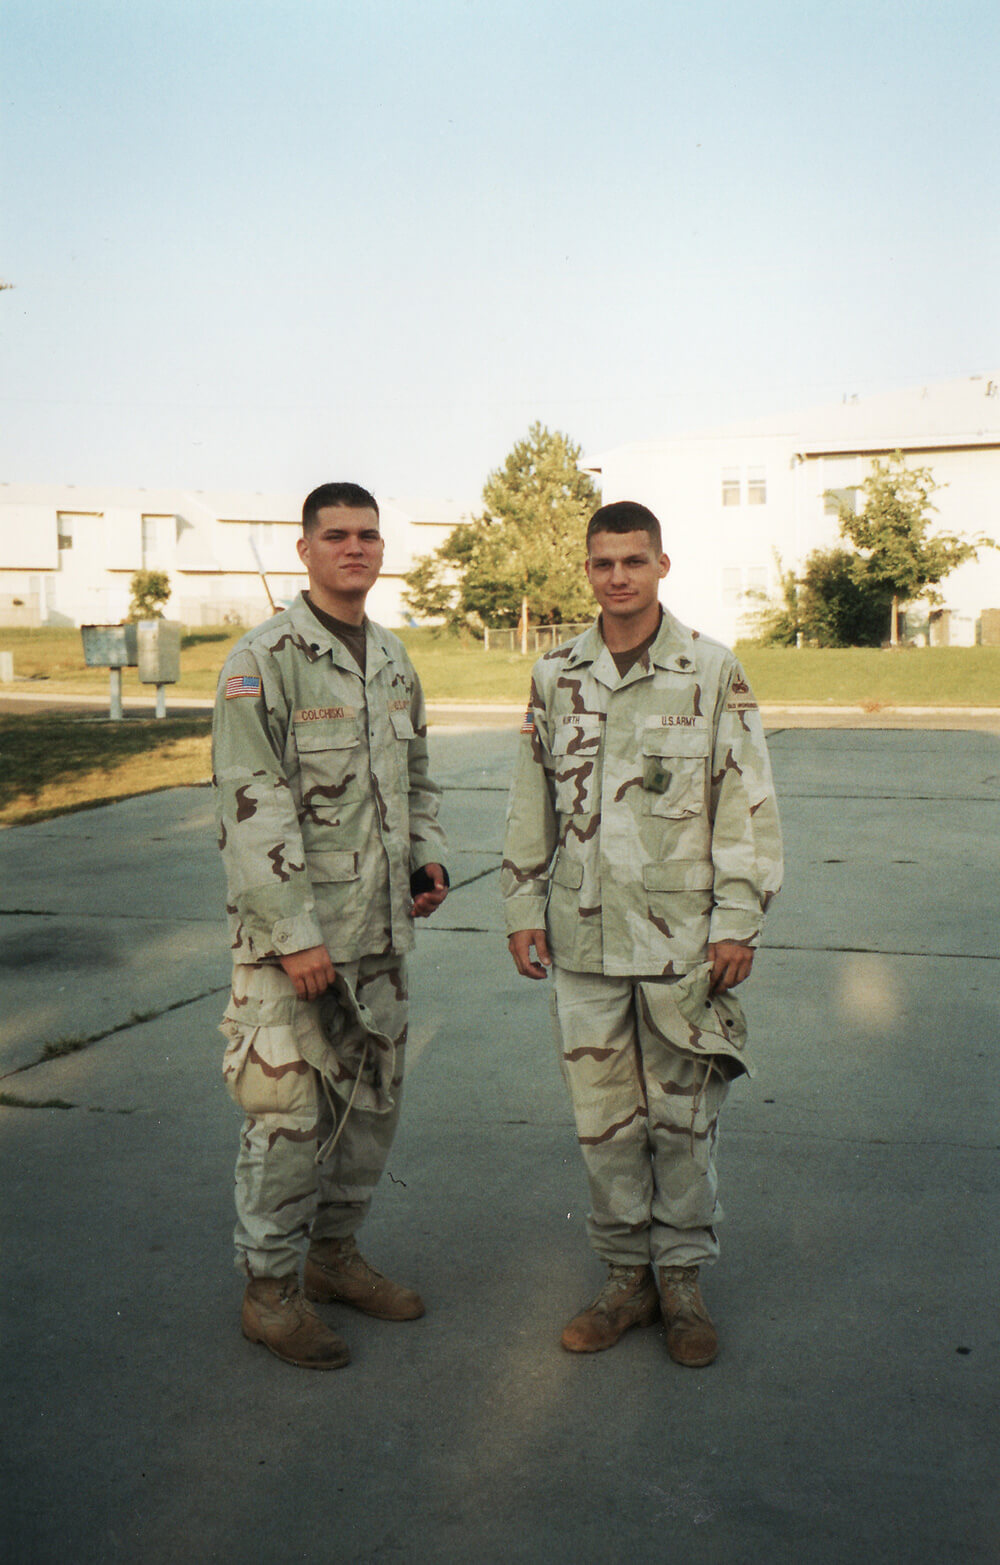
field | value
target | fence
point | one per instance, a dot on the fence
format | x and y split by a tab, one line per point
540	638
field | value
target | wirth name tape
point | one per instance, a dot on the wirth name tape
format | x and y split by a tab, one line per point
242	685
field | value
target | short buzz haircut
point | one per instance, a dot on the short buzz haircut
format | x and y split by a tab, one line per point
626	516
351	495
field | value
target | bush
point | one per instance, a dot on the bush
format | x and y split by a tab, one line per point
150	589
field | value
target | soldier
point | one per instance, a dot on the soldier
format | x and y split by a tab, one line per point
642	849
329	835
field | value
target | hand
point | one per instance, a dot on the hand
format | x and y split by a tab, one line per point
731	963
519	945
311	971
425	902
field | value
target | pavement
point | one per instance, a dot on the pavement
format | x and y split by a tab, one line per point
852	1413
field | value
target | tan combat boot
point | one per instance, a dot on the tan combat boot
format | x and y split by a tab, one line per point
337	1273
627	1299
691	1337
276	1314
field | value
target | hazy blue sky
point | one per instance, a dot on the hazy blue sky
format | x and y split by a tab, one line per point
259	244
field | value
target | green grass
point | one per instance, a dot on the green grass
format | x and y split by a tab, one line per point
864	676
457	669
52	763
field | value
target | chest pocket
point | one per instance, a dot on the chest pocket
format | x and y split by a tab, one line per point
331	763
674	771
576	749
403	731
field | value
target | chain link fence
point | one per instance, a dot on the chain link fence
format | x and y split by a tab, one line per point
540	638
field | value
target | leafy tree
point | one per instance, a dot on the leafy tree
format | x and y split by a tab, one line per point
896	557
777	619
527	546
150	589
825	606
836	609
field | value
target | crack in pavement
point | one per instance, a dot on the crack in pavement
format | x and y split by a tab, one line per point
944	956
60	1050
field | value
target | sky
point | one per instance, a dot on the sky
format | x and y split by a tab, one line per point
260	244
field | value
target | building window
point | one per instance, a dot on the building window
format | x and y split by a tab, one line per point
730	486
756	486
261	535
65	531
835	500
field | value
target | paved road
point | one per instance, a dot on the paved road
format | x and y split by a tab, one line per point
852	1413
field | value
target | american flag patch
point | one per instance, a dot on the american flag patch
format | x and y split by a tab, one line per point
242	685
528	723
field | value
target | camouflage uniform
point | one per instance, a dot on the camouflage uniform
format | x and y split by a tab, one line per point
325	807
641	827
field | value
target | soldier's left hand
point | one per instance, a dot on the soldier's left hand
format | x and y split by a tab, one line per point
731	963
426	901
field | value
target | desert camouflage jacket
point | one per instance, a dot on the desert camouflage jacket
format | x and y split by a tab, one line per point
642	822
323	799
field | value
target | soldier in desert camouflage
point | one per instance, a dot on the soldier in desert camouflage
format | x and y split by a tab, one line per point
329	836
642	849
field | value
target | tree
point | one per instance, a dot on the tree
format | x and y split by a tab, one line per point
777	622
836	609
526	549
149	590
895	555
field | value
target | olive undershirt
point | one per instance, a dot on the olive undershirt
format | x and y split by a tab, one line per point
351	636
627	659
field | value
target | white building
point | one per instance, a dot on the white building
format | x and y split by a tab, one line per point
732	500
68	554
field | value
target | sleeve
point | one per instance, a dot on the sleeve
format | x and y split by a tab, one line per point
532	828
428	843
746	833
269	889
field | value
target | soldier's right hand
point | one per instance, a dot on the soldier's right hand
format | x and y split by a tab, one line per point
519	945
311	971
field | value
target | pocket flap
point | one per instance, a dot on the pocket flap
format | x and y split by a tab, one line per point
585	735
568	872
681	742
679	875
333	864
326	736
402	725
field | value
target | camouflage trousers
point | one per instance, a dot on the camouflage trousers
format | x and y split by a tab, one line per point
647	1063
320	1084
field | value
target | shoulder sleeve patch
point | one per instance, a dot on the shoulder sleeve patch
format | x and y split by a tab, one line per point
242	685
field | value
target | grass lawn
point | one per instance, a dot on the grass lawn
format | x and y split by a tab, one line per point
51	765
454	669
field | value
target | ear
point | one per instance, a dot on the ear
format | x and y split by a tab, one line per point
302	545
664	565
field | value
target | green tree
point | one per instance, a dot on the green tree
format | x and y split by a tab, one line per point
150	590
777	619
896	557
835	608
527	547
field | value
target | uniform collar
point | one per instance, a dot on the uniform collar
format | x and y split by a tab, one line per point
318	640
673	649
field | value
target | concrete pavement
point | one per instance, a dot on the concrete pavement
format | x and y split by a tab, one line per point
852	1412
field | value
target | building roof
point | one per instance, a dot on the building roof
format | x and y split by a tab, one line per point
941	415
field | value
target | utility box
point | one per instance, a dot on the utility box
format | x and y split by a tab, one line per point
110	646
989	628
159	656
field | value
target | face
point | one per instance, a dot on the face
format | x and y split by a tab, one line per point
625	572
343	553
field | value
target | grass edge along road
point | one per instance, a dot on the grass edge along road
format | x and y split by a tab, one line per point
454	668
51	764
